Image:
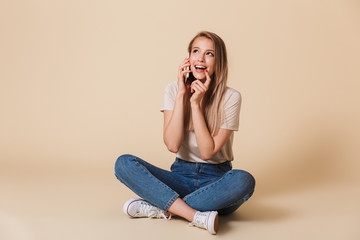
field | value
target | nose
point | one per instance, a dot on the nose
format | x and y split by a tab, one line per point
200	58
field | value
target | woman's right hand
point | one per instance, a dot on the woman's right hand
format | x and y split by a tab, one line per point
182	88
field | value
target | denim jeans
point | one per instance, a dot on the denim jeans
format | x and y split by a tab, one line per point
204	187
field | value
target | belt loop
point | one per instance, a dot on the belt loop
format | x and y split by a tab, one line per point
197	167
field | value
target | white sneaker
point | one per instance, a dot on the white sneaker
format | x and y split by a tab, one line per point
137	207
206	220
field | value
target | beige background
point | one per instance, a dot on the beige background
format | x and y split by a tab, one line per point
81	82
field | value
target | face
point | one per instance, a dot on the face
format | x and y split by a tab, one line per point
202	57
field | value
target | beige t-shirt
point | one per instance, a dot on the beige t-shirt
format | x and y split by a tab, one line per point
189	150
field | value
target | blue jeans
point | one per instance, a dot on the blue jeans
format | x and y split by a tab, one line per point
204	187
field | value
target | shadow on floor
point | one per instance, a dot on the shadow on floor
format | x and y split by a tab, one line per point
253	212
311	160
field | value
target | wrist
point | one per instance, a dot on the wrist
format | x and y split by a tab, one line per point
195	104
180	95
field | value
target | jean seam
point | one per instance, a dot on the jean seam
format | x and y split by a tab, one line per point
174	164
172	199
235	203
196	173
205	188
240	201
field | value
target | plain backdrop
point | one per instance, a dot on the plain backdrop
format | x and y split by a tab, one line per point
82	82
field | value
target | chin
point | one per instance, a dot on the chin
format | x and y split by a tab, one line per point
200	76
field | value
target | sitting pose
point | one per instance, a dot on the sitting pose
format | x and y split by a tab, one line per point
200	115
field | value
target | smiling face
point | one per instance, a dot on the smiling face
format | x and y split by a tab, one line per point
202	57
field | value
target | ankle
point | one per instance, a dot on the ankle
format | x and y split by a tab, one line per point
191	215
207	220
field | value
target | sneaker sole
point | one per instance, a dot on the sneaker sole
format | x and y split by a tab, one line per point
212	222
127	204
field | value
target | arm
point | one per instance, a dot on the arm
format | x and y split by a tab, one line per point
174	125
208	145
174	120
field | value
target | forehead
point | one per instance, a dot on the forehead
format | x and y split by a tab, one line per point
203	43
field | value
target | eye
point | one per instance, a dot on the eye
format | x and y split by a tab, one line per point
195	51
210	54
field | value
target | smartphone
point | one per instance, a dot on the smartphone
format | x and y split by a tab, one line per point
189	77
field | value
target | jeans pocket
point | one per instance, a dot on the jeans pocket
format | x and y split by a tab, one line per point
174	164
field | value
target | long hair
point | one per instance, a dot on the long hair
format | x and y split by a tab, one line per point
213	101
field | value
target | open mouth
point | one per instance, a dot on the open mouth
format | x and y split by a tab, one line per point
200	67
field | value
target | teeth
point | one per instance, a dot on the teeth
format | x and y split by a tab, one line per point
200	67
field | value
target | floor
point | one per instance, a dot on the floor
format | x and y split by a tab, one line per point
87	204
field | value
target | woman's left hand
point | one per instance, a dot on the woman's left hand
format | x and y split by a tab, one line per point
198	89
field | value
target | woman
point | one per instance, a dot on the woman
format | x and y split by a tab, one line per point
200	115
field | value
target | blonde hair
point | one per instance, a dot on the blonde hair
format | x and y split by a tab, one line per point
213	101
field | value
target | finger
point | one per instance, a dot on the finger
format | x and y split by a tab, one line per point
184	71
187	60
182	66
193	89
208	79
200	84
198	88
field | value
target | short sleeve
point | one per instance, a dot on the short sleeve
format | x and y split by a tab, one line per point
169	97
232	106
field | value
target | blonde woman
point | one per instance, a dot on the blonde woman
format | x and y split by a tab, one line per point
200	116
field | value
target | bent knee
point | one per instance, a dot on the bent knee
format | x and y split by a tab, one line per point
122	163
245	180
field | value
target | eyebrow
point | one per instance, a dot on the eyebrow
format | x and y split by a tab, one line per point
205	50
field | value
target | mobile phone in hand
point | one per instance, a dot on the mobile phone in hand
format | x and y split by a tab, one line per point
189	77
187	68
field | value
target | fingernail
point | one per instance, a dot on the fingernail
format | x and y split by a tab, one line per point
205	70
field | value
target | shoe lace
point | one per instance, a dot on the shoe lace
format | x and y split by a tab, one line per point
199	220
152	212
